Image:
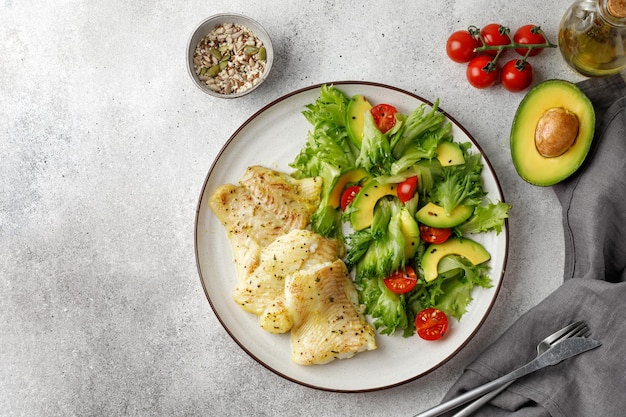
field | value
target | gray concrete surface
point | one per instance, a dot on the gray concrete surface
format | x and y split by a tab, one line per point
104	147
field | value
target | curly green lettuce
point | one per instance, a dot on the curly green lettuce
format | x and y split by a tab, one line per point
386	308
460	184
486	219
408	149
327	153
378	250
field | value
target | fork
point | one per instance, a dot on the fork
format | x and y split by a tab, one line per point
576	329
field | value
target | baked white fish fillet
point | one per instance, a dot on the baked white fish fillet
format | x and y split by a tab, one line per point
265	217
265	205
263	291
292	201
328	322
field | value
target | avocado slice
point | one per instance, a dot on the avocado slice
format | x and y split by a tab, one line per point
411	232
558	117
434	215
467	248
363	205
355	116
354	175
450	153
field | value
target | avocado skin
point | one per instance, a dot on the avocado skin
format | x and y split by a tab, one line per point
529	163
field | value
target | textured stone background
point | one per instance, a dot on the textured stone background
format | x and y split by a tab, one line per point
104	147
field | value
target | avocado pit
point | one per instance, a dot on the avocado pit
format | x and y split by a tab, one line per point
556	132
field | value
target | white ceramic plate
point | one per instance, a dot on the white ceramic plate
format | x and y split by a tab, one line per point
273	137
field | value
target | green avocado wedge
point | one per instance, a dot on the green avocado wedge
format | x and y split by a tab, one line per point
411	233
351	176
363	205
531	165
434	215
449	153
467	248
355	118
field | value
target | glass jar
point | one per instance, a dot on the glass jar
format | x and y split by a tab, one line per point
592	37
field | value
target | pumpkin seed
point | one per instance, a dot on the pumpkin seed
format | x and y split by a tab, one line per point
215	53
250	50
214	70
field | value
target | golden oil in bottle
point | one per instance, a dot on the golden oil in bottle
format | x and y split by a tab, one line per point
592	37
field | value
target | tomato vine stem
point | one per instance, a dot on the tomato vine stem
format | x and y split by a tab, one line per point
475	31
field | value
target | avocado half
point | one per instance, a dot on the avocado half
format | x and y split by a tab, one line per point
548	97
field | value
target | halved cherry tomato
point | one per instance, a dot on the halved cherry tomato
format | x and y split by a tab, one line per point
434	234
347	196
431	324
460	46
529	34
384	116
402	280
406	189
494	35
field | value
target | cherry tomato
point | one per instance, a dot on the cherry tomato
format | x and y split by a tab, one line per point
481	72
384	116
494	35
528	34
516	75
431	324
460	46
434	234
406	189
347	196
401	281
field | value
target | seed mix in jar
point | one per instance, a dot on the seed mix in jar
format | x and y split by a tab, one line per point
230	59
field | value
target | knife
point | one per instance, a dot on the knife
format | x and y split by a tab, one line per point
556	354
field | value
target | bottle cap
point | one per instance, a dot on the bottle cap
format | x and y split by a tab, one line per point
617	8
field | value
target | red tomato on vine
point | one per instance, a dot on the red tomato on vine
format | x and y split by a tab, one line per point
517	75
460	46
495	34
481	72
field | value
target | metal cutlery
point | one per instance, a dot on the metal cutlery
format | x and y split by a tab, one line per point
576	329
556	354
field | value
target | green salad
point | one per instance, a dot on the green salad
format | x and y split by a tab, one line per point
405	199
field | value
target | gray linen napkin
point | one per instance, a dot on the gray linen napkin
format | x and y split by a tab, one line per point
594	289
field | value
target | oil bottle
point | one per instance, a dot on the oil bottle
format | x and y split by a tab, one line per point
592	37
